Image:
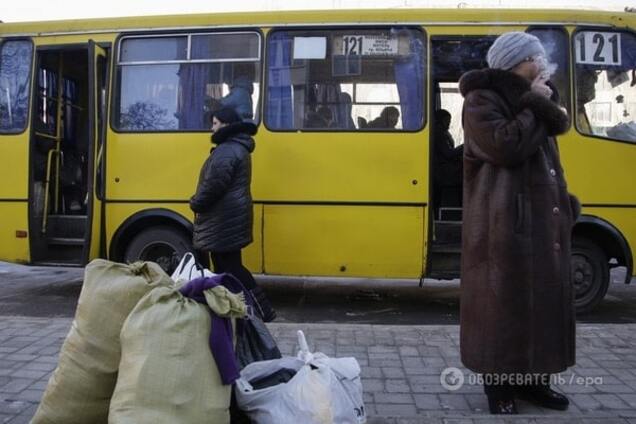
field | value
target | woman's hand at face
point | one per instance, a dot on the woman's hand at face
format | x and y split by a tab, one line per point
539	86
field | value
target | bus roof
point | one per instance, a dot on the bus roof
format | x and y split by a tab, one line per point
277	18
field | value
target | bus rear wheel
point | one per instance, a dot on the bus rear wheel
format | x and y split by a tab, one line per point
163	245
590	274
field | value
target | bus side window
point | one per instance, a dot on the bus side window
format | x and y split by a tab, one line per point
605	83
336	79
174	82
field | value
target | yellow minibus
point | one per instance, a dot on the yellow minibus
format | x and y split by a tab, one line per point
103	129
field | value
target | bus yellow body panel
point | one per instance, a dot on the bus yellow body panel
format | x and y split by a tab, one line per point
14	171
621	218
341	167
601	172
14	166
14	218
472	17
351	241
158	166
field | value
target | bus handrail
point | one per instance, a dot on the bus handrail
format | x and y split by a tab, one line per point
47	182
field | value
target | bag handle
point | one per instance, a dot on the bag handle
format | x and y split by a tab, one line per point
303	353
250	308
184	262
196	269
243	385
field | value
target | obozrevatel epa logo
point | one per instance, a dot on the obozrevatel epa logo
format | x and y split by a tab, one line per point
452	378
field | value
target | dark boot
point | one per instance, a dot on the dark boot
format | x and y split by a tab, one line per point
542	395
501	397
263	307
502	406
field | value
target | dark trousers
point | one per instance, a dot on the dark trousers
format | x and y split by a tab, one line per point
231	263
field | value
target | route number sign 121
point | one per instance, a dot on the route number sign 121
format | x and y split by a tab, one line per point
598	48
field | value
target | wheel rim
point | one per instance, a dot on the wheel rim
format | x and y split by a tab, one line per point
584	278
164	254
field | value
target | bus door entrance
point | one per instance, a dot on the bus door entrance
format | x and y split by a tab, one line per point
65	209
452	56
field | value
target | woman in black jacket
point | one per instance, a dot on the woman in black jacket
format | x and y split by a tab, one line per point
223	202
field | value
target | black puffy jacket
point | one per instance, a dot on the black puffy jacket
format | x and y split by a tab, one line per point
223	201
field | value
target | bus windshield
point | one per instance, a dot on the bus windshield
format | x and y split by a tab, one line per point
606	84
15	69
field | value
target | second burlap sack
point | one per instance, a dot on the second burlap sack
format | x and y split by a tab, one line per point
167	371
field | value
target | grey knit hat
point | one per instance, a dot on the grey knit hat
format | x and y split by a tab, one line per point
512	48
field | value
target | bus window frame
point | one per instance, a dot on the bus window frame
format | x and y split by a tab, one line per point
584	28
115	100
414	27
568	63
27	124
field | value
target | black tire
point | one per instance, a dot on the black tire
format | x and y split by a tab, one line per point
164	245
590	274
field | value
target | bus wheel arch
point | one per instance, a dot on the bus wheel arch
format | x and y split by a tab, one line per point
150	235
594	243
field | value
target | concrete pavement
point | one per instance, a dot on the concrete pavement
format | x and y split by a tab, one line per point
401	369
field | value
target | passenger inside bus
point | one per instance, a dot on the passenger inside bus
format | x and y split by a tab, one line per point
447	162
388	118
240	97
448	158
321	118
343	113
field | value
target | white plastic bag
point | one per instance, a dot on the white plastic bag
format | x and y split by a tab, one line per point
323	391
188	269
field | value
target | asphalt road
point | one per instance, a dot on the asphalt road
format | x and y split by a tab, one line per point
53	292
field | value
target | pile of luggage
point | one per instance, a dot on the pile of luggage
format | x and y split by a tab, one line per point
146	348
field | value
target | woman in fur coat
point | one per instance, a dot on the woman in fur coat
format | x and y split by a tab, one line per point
517	305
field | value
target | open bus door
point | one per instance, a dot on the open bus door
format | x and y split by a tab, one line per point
98	70
66	154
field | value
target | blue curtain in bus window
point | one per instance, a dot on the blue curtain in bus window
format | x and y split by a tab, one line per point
409	76
193	78
15	69
279	113
47	101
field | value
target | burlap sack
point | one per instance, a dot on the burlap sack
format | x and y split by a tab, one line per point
80	389
167	373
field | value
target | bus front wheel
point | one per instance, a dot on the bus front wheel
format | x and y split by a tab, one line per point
163	245
590	274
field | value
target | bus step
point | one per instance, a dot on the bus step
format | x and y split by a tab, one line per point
446	248
448	232
444	261
60	251
443	275
65	241
66	226
69	262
